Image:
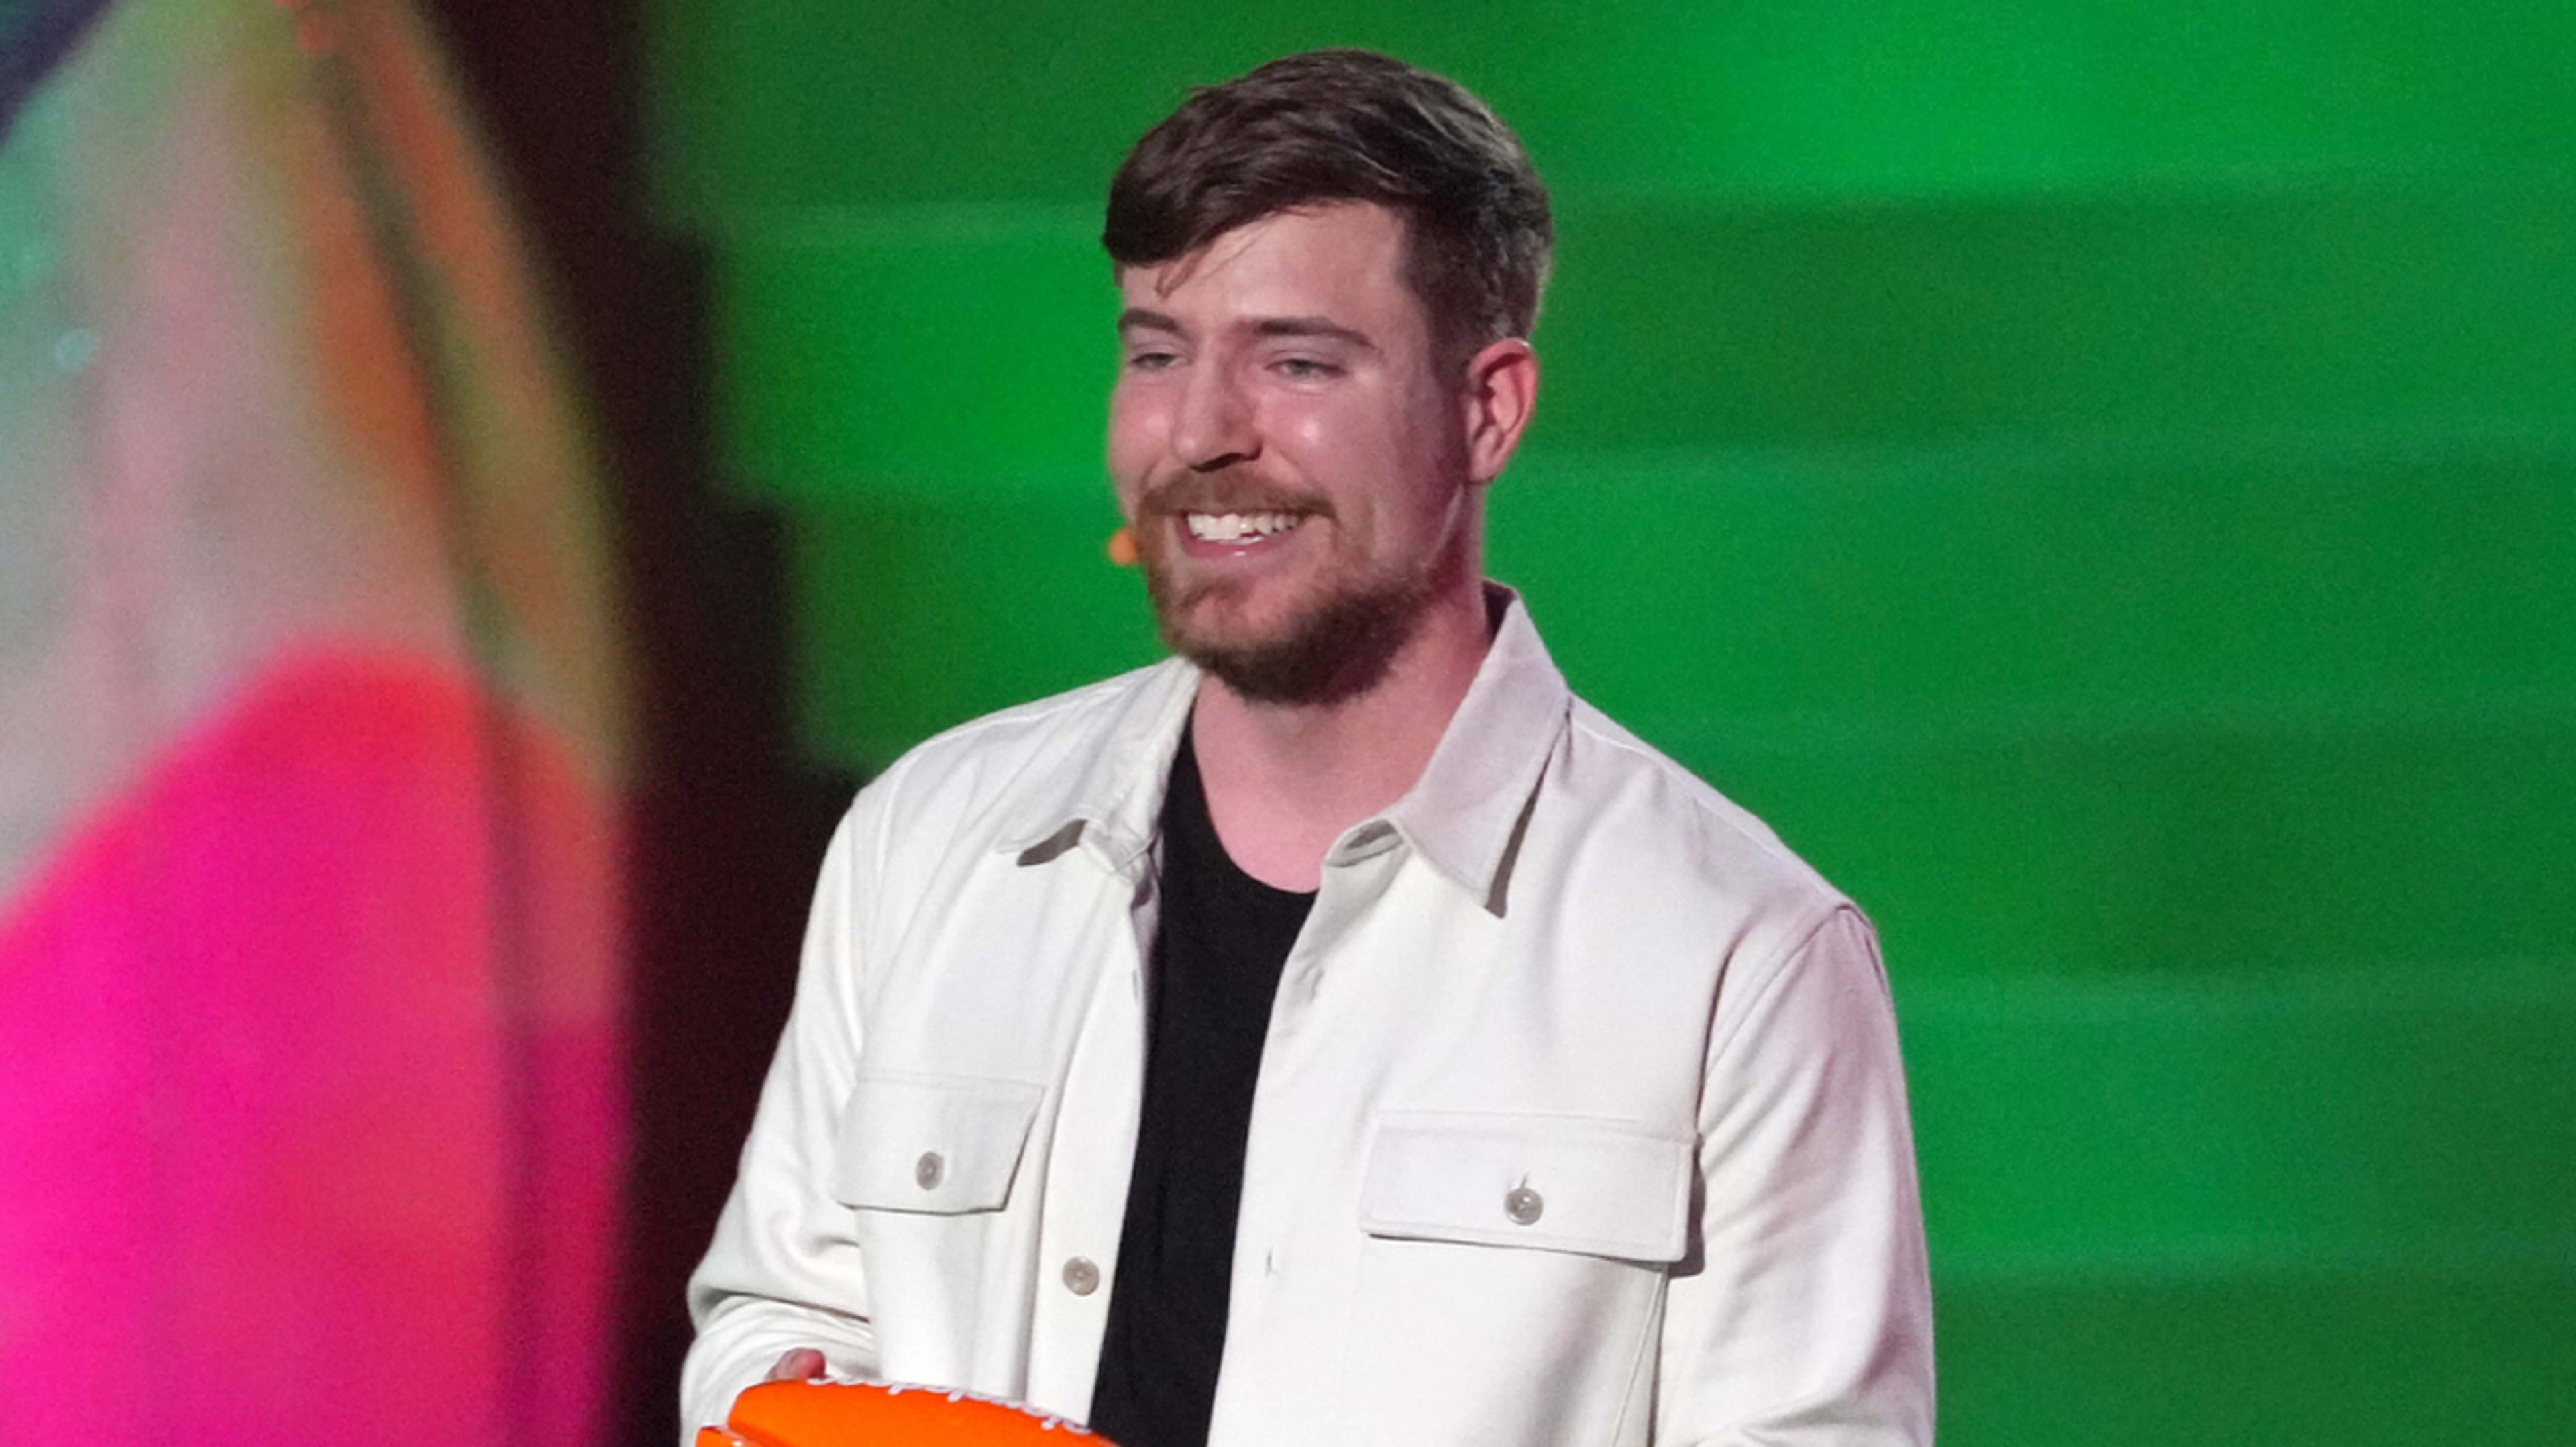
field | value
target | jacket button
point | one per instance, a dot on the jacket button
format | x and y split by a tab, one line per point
1523	1205
929	1171
1081	1277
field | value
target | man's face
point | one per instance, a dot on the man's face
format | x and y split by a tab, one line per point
1288	452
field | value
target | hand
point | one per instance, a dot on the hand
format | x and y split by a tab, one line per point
802	1364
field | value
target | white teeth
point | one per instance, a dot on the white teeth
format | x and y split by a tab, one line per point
1235	527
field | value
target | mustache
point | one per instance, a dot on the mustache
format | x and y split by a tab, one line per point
1228	490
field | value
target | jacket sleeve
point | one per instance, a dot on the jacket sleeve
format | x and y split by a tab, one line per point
1803	1314
783	1270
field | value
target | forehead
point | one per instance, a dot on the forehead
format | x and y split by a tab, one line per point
1343	262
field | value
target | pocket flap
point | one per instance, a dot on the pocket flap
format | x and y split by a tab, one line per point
932	1143
1558	1183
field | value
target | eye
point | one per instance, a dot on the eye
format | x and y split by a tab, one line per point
1151	360
1305	369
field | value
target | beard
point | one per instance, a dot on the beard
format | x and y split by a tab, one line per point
1330	650
1335	649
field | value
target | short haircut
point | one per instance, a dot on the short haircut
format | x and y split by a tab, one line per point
1351	125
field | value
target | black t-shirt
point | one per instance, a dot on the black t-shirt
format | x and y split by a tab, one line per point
1218	948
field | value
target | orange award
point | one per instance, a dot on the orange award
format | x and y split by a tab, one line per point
824	1413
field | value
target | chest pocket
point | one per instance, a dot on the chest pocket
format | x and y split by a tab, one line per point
1551	1183
940	1145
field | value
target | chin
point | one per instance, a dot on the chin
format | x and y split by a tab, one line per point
1330	651
1227	613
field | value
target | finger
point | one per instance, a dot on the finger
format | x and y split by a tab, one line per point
802	1364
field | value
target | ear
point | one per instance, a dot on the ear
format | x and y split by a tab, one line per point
1500	393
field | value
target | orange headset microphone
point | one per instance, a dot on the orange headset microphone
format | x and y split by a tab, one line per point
1122	547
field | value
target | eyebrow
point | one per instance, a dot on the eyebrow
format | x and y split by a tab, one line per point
1311	327
1136	318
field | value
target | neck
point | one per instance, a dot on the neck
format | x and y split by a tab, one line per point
1284	780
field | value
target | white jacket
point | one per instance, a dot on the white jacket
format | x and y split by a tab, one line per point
1580	1118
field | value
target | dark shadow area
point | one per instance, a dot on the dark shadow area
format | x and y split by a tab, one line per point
728	825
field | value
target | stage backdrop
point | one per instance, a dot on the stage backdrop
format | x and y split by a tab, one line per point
2100	478
310	754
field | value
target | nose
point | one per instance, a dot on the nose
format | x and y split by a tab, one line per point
1214	427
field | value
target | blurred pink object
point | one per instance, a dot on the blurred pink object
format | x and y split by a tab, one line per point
265	1122
311	760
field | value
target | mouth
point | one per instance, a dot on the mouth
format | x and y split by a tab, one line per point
1239	529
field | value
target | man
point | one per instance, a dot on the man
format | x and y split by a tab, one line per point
1337	1033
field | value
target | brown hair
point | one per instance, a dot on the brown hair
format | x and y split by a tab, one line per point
1350	125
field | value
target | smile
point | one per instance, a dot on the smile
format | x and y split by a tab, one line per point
1238	527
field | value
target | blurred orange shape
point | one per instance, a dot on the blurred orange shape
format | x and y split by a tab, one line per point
871	1414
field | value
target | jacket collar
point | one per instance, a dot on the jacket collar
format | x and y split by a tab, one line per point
1464	815
1108	797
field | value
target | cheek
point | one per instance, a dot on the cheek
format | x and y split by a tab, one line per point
1135	436
1354	454
1346	450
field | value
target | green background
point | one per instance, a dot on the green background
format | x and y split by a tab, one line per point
2099	478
